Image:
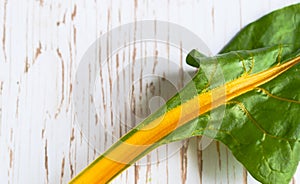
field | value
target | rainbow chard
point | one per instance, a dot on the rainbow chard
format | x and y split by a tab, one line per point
247	97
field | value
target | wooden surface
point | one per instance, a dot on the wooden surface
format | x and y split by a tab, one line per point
42	43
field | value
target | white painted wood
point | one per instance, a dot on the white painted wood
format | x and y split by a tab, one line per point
42	43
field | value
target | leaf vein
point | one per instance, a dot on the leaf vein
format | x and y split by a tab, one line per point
244	109
277	97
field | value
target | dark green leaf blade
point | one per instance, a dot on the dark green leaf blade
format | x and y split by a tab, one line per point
279	27
273	108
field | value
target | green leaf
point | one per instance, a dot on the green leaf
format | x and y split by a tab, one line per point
255	79
261	127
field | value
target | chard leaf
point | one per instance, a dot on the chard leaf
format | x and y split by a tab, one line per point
271	151
259	88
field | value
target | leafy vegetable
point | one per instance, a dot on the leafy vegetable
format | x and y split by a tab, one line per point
274	107
260	94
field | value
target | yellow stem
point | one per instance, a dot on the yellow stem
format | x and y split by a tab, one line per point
115	160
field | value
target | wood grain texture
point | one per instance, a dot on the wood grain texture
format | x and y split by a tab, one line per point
41	46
